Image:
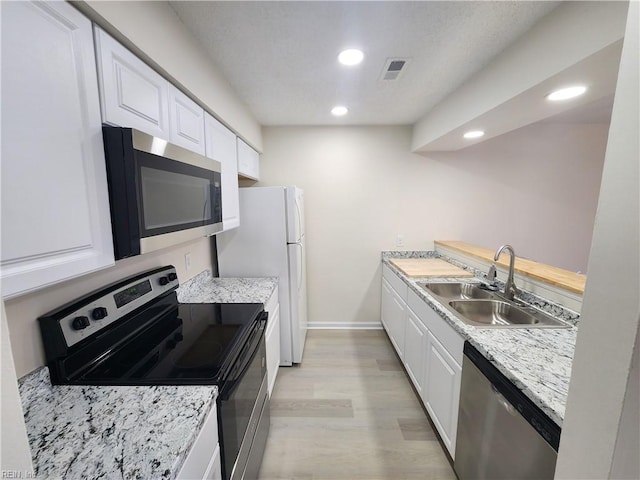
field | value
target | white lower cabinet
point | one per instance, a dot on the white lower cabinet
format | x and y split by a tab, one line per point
272	339
54	206
214	470
441	393
415	341
394	312
203	460
430	350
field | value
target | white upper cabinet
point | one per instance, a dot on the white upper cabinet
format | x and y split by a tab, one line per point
186	120
221	146
54	205
132	94
248	161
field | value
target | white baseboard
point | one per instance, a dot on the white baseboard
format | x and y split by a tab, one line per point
344	326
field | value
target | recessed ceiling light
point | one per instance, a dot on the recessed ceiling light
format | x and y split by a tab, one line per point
339	111
567	93
350	57
474	134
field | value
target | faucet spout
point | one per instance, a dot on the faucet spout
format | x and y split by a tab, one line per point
510	289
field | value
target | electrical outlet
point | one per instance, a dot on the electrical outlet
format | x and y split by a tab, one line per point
399	240
187	261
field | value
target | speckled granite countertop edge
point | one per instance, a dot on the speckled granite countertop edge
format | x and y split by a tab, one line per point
124	432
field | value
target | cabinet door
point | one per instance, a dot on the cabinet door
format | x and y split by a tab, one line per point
54	205
394	316
186	120
248	161
414	349
441	392
272	341
132	94
386	298
214	471
201	461
220	143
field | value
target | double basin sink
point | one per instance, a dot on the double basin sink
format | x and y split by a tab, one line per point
485	308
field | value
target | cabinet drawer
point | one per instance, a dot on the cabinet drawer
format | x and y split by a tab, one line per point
395	281
451	340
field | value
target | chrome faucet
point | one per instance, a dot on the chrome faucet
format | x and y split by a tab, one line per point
510	289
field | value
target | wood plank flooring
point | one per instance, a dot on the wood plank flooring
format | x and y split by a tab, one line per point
349	412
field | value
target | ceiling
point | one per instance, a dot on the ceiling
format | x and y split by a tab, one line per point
281	57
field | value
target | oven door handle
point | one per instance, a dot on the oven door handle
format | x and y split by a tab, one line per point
232	383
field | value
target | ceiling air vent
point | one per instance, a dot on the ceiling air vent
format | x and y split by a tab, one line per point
394	67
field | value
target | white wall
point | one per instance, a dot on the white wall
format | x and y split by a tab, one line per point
535	188
569	34
153	29
22	312
603	393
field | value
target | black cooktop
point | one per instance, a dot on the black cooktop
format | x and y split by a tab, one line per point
190	344
135	332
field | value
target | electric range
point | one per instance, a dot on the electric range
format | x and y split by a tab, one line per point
135	332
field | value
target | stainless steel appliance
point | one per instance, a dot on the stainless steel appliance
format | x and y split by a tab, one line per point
134	332
501	433
160	194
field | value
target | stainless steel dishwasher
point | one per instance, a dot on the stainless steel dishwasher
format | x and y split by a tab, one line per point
501	433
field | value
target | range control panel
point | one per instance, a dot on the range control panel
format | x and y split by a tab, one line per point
96	311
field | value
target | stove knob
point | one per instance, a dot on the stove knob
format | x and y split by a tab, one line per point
172	276
178	337
99	313
164	281
80	322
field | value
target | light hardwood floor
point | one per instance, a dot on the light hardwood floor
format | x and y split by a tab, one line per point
349	412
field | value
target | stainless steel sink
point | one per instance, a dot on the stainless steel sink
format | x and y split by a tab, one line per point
483	308
455	291
503	314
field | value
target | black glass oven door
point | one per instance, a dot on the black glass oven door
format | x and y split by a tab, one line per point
237	397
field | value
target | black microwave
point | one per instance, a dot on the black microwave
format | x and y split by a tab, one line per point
160	194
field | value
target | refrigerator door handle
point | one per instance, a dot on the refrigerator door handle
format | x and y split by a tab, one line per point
299	262
299	219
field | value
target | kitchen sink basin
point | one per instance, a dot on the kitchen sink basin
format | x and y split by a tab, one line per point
455	291
503	314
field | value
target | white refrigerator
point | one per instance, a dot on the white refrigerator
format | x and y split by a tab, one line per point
270	242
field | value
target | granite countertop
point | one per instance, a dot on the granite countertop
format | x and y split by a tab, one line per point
128	432
203	288
111	432
537	361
